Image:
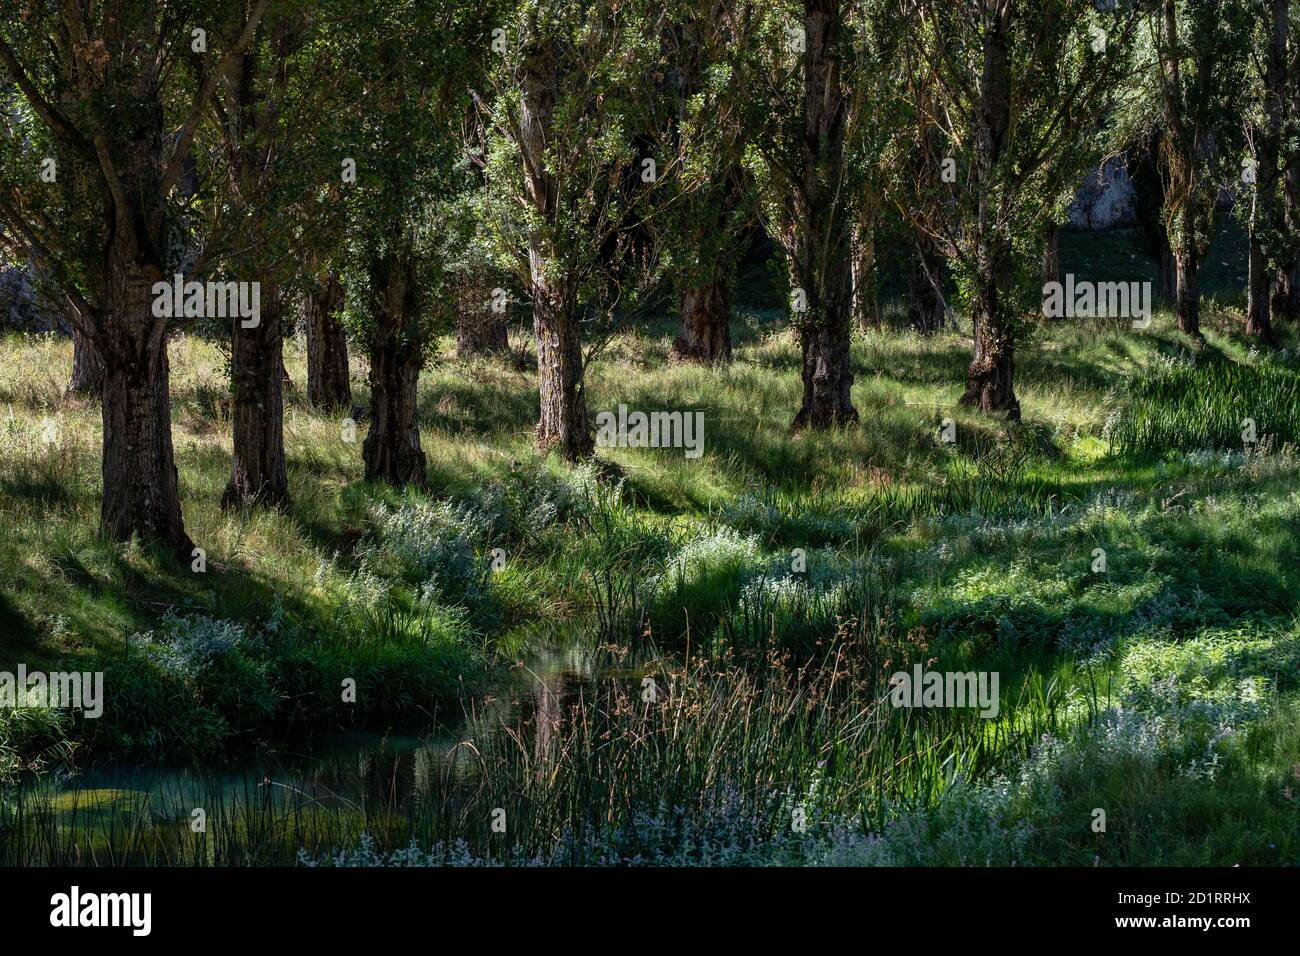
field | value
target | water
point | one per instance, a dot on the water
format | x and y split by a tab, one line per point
336	788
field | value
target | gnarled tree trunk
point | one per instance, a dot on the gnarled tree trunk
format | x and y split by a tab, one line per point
328	384
258	475
392	450
705	335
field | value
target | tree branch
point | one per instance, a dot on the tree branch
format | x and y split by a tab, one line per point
176	166
55	118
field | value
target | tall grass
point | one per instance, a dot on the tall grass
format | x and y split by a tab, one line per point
1183	407
593	778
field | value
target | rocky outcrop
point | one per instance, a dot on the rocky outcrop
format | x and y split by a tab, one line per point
23	308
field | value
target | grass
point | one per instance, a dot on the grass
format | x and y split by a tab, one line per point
773	586
1215	406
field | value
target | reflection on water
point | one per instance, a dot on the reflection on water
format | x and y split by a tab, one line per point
366	777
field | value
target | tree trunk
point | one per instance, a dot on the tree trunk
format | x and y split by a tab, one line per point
1266	217
479	330
866	302
1181	174
1187	299
87	367
1052	254
822	229
258	475
1258	323
328	385
926	309
1285	302
827	376
392	450
705	335
990	380
141	493
1167	274
563	423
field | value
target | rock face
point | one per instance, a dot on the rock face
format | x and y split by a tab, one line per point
22	309
1105	199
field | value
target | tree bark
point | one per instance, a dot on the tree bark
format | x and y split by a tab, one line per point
87	367
822	229
328	384
1181	169
1052	254
865	279
1285	302
563	424
1187	298
141	489
705	335
258	475
392	450
990	380
1258	291
479	330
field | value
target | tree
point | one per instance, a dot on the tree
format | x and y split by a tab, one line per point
874	76
478	283
1200	83
77	181
565	178
807	189
1142	159
87	367
1017	91
1285	302
699	230
261	181
402	164
94	78
924	164
1266	224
